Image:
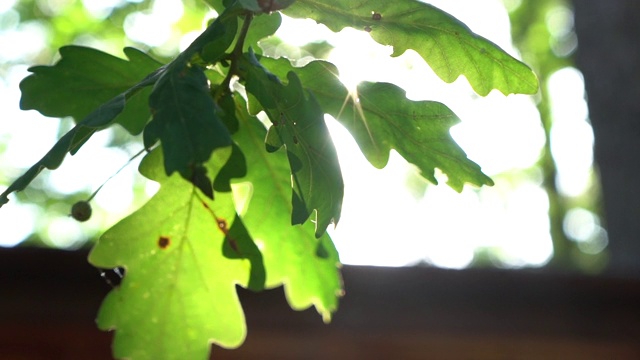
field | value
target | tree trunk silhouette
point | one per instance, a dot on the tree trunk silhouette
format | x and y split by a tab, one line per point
609	57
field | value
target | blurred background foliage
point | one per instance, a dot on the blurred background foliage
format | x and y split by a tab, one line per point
31	31
543	31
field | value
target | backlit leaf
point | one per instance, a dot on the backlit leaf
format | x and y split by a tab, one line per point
183	254
261	27
445	43
382	118
298	124
308	267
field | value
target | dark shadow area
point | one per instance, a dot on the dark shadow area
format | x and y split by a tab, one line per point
50	299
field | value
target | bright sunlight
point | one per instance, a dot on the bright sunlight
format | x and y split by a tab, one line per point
390	217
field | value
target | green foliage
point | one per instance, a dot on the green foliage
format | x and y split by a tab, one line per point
84	79
298	125
446	44
179	275
103	116
380	118
250	204
309	270
184	117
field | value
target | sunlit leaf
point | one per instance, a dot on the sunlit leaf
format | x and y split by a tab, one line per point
298	124
381	118
84	79
308	267
183	254
445	43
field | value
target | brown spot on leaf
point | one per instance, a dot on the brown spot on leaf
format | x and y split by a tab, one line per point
376	16
367	28
222	225
164	242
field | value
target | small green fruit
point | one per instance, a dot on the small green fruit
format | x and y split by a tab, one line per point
81	211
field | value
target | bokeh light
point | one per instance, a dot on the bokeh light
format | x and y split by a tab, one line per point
383	221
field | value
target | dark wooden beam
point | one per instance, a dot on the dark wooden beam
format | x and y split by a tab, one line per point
49	300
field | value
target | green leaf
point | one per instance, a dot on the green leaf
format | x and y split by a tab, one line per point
261	27
222	33
308	267
445	43
298	124
183	259
217	5
382	119
235	168
265	6
418	130
71	142
213	41
186	122
83	79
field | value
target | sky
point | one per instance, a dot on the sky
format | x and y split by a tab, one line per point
383	222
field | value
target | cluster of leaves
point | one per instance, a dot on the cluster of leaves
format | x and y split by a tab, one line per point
242	203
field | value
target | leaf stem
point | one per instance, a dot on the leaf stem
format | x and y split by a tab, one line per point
235	55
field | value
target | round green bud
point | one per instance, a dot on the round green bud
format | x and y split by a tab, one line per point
81	211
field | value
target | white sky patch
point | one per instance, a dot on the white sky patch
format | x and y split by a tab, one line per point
100	9
450	227
499	133
53	7
23	42
117	194
64	232
299	32
24	145
137	26
78	171
169	11
17	222
373	226
154	27
6	5
572	137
